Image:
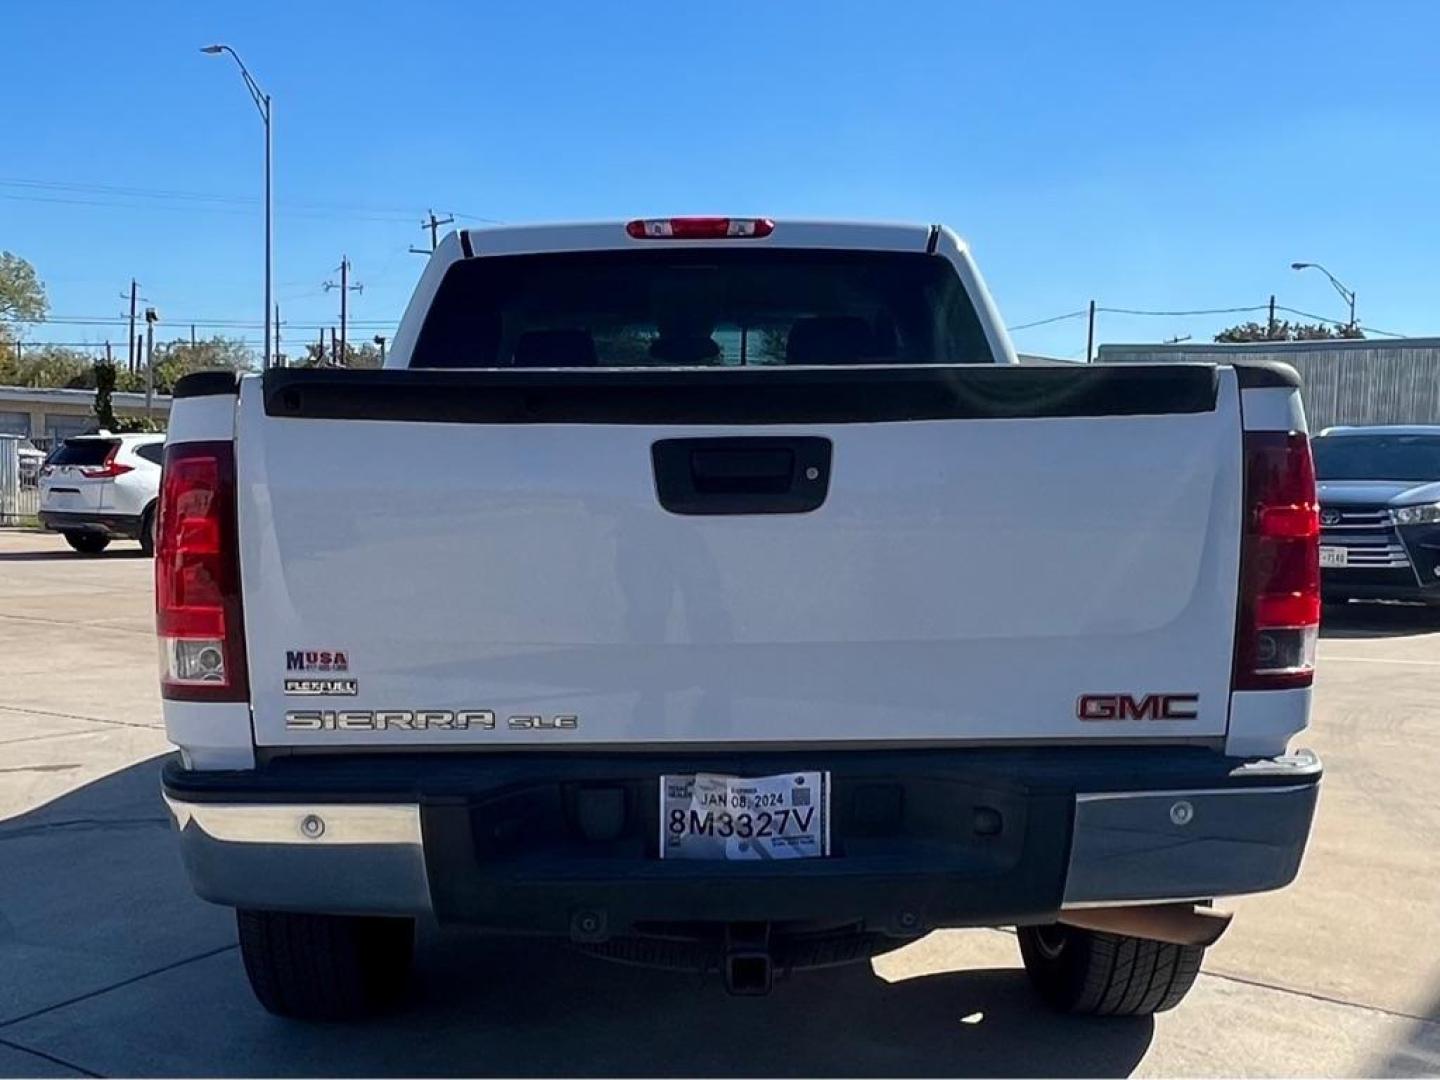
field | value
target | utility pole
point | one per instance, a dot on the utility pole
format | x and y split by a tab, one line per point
433	224
278	353
345	288
133	356
1090	336
192	335
150	319
1270	325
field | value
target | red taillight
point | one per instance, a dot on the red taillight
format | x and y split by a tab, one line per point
107	469
699	228
197	576
1279	565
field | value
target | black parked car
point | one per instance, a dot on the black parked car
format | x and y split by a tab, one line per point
1379	513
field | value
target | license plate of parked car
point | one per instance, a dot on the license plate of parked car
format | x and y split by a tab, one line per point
710	816
1334	556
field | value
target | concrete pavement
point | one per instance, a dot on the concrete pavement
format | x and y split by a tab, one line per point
108	965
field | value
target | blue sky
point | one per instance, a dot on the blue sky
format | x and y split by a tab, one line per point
1150	155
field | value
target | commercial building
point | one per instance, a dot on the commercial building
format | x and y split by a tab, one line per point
45	414
1386	381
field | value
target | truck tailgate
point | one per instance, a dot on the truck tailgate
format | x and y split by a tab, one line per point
991	545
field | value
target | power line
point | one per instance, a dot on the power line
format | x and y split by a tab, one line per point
1052	319
109	195
231	324
1198	311
170	194
1135	311
229	211
1338	322
1238	310
31	346
1309	315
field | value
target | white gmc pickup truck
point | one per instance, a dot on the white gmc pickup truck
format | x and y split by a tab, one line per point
720	592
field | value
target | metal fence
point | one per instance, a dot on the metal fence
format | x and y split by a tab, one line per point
19	487
1345	382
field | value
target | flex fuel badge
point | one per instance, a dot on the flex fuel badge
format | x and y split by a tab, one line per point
321	687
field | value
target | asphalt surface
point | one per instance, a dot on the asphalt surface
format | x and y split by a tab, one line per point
109	965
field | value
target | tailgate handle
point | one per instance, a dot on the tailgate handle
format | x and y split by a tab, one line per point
742	475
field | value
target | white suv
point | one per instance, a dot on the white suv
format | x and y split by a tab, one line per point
94	488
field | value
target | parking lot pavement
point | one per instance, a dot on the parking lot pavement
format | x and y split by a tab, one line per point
108	964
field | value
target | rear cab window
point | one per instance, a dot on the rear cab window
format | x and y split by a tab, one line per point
151	452
82	452
693	307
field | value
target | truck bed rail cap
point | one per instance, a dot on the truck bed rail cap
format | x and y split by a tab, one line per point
797	395
1256	374
206	384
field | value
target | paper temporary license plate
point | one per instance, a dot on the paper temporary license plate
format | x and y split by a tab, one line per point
709	816
1334	556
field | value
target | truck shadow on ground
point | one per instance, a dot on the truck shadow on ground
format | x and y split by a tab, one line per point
1370	620
551	1011
121	970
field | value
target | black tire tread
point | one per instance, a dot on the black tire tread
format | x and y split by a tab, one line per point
1105	974
86	542
324	967
146	537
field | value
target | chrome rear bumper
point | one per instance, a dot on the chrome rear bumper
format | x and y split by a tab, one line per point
326	853
342	858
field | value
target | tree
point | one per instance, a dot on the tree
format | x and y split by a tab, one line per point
356	356
178	358
56	366
773	342
45	365
22	296
1287	331
104	388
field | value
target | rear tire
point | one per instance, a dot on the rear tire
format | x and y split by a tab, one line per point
325	967
86	542
1089	972
147	532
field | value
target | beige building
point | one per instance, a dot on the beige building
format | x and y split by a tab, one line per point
45	414
1344	381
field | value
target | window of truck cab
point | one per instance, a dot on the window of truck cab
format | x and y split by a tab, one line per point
691	306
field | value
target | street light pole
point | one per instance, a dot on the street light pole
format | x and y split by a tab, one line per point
265	107
1348	295
151	318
